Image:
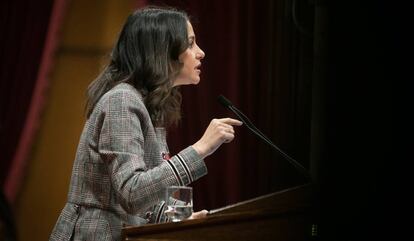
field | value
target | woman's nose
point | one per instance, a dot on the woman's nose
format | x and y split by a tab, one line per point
200	53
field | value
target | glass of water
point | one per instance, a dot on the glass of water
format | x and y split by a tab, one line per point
179	201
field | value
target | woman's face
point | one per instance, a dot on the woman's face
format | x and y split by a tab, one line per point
191	58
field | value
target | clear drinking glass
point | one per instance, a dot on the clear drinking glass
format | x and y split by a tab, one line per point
179	200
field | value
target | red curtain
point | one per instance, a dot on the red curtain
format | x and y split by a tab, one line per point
29	32
262	62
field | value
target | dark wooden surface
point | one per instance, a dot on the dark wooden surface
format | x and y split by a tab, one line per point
282	215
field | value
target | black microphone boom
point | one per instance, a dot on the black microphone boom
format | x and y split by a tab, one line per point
226	103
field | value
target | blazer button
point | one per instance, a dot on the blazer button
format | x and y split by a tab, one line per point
148	216
77	208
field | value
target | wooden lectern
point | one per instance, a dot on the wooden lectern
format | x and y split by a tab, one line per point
283	215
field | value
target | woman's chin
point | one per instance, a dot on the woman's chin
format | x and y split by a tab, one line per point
196	80
193	81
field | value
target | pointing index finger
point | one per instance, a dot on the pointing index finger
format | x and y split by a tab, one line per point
231	121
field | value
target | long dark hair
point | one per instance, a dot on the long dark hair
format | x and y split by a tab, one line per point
146	56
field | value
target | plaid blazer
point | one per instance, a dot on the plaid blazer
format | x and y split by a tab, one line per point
121	170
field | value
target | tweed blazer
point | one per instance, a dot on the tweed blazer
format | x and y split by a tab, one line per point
121	170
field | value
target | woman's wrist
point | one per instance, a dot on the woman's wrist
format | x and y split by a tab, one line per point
198	147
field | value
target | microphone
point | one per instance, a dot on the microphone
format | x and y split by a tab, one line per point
227	104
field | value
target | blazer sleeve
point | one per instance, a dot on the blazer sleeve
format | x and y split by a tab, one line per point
121	147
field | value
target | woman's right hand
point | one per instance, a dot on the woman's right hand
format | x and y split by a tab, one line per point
218	132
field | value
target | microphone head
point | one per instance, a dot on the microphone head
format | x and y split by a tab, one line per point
223	101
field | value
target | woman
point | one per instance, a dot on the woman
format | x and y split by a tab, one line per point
122	165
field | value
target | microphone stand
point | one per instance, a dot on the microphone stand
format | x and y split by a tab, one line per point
226	103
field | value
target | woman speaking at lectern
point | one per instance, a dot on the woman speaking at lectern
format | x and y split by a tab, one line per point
122	164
